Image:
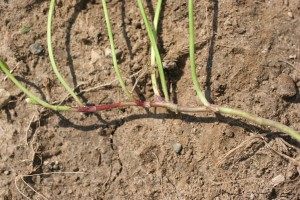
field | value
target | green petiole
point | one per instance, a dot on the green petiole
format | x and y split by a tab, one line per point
51	56
152	37
32	98
113	52
192	55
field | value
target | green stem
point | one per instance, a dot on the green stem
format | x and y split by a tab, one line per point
34	99
176	108
260	121
153	71
51	56
113	52
192	55
151	34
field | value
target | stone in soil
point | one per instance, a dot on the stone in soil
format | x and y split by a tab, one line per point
177	147
6	172
108	53
36	48
286	87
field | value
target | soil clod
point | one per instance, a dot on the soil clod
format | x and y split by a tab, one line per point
286	86
277	180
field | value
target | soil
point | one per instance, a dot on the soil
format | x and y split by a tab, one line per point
248	59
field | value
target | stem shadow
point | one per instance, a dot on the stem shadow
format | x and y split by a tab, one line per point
38	89
81	5
67	123
210	59
129	47
124	32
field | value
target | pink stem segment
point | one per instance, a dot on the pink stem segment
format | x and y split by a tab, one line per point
143	104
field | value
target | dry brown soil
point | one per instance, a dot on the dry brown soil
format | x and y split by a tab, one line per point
249	59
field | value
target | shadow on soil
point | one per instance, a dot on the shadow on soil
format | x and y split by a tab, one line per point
66	123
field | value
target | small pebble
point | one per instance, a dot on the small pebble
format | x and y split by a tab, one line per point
277	180
286	86
127	21
55	167
107	53
36	48
4	98
177	147
95	56
6	172
290	14
169	65
46	162
292	57
38	179
70	191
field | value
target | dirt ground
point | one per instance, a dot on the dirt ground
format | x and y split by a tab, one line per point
249	59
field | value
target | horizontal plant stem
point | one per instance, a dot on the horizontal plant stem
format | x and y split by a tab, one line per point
260	121
51	56
33	97
144	104
174	107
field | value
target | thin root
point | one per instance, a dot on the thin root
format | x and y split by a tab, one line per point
294	161
32	175
22	178
246	143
